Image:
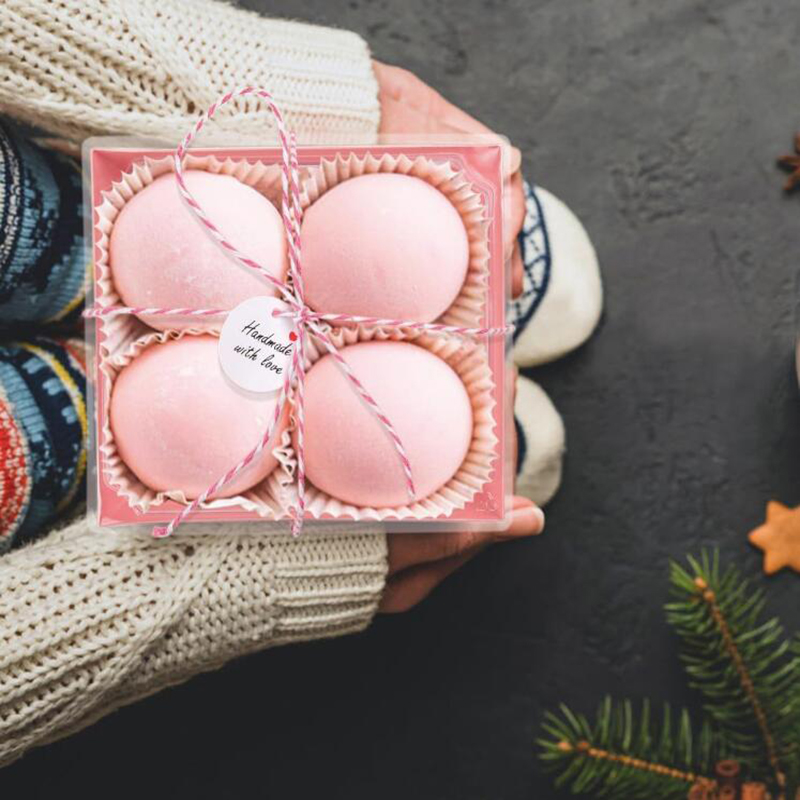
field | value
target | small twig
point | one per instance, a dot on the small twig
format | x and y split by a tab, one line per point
710	598
586	750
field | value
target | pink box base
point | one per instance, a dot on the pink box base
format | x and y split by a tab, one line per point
483	166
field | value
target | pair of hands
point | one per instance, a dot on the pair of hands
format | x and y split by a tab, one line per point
418	562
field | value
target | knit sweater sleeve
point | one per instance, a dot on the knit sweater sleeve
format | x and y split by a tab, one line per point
92	621
84	67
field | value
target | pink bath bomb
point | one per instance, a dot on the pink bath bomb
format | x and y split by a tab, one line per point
348	452
161	256
180	425
384	245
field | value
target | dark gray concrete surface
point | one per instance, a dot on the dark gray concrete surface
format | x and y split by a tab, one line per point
659	124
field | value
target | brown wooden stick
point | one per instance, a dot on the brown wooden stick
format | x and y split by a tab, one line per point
586	749
708	596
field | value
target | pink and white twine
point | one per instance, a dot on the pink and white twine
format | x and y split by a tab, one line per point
305	319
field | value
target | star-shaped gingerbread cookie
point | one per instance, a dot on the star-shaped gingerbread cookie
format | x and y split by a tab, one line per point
779	537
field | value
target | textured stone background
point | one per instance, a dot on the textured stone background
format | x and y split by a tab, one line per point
659	124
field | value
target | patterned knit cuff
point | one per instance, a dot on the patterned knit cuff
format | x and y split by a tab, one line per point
42	264
16	474
43	433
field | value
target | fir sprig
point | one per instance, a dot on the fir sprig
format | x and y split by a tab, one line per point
625	759
740	661
749	675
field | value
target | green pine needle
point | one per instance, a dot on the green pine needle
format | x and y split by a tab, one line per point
623	759
739	659
749	675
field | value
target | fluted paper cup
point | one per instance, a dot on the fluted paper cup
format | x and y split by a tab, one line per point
467	310
268	498
468	360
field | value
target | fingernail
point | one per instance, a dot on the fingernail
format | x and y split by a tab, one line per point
529	518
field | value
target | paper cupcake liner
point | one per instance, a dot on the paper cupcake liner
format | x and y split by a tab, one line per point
467	310
120	330
268	498
470	362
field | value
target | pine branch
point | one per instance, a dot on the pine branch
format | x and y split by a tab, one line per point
794	764
623	760
741	662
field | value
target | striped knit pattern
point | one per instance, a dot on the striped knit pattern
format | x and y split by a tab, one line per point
42	265
43	434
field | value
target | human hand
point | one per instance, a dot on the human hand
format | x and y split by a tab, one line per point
419	562
408	105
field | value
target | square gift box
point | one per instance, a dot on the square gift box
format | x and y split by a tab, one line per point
399	231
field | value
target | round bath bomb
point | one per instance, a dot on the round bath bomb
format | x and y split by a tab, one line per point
179	425
161	256
348	453
384	245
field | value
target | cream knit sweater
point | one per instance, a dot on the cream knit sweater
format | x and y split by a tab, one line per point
92	621
89	621
78	68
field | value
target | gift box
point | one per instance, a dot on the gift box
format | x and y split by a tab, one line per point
388	380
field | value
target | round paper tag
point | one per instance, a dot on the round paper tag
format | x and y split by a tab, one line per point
255	348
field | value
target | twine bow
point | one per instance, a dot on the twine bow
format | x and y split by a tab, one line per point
305	320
